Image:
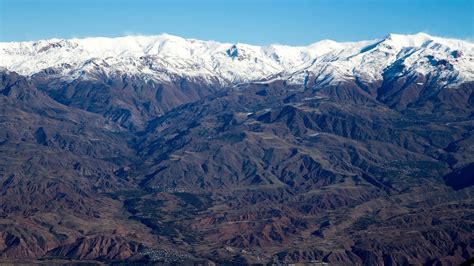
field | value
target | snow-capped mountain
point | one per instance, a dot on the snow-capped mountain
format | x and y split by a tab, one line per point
348	153
165	57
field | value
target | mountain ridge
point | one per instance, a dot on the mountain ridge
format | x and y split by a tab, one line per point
158	57
358	156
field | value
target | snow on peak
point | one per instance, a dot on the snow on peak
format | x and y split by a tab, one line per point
163	56
424	40
415	40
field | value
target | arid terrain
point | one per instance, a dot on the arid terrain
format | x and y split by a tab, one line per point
300	166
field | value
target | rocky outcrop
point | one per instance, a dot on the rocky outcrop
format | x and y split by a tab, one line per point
96	248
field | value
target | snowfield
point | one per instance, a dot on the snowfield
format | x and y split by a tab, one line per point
165	57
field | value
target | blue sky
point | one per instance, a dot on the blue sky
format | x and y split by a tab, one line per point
293	22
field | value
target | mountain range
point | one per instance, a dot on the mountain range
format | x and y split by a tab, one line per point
160	149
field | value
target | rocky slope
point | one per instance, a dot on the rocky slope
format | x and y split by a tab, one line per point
162	149
136	78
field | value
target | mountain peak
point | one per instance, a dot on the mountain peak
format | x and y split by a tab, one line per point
402	40
151	56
